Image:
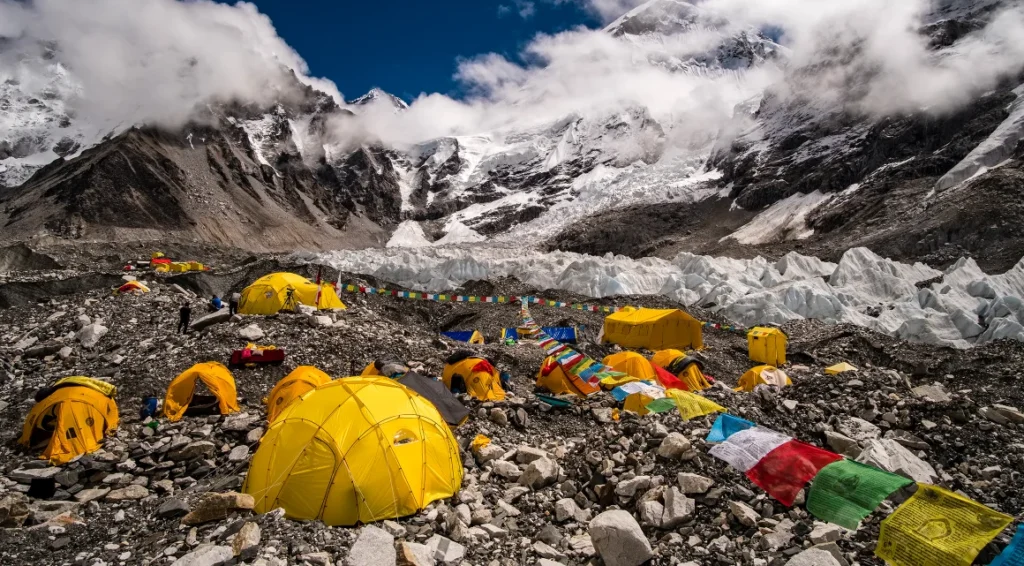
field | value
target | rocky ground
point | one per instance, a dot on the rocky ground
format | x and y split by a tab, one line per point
569	486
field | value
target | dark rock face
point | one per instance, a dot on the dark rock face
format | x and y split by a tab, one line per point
206	182
805	152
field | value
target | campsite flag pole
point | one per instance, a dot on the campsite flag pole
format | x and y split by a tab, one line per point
319	286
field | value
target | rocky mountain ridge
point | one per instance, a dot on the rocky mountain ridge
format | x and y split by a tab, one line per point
789	174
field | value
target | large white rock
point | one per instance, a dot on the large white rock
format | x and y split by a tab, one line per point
678	508
891	456
373	547
540	473
813	557
251	333
90	335
619	540
206	555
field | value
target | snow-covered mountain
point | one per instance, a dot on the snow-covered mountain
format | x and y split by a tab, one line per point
378	95
782	169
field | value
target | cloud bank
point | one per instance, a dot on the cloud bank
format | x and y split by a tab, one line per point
156	60
871	57
151	60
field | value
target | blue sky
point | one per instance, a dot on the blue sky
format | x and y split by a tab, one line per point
409	46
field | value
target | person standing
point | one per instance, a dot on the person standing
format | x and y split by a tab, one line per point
184	318
233	303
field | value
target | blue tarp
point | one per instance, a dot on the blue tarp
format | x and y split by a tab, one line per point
725	426
564	334
461	335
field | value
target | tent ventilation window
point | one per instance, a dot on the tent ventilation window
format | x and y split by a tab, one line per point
404	436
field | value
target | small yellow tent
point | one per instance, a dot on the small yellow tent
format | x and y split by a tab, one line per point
686	368
102	387
217	379
653	329
635	366
553	378
767	345
132	287
355	450
284	291
292	386
763	375
479	377
73	419
839	368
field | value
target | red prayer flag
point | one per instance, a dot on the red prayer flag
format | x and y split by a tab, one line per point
669	381
786	469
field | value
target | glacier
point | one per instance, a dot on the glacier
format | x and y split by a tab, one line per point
959	307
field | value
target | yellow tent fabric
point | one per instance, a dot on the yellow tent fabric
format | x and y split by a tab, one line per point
108	389
691	375
156	255
553	378
269	294
355	450
370	370
692	405
839	368
477	338
635	366
217	379
481	378
637	403
767	345
132	287
653	329
162	268
292	386
74	419
763	375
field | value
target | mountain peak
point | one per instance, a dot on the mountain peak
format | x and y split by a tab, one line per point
376	94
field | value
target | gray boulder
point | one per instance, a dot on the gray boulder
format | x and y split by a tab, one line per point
619	540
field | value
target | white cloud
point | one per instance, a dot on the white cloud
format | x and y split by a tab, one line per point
867	56
154	60
526	9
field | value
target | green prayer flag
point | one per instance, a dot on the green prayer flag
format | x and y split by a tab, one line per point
844	492
661	405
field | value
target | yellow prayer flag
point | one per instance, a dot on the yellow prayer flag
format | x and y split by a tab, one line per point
939	528
692	405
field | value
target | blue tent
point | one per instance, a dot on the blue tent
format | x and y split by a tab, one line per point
468	336
564	334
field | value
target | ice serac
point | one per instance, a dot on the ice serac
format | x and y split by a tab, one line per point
992	152
959	308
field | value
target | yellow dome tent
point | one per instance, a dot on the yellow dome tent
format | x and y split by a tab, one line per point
292	386
355	450
767	345
284	291
481	379
635	366
839	368
763	375
689	370
214	376
553	378
653	329
73	419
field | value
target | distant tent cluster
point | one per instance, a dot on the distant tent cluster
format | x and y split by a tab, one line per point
277	292
163	264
